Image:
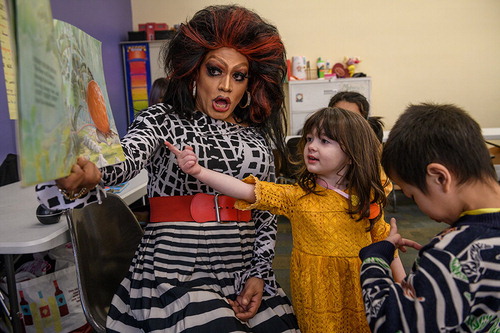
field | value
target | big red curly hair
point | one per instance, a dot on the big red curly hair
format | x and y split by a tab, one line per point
245	31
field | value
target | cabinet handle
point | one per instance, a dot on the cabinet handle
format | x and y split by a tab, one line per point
330	92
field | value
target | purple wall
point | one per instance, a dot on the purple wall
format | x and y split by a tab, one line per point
108	21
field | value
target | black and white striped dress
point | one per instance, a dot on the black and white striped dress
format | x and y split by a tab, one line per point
183	272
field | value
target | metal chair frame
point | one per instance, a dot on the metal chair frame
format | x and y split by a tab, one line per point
105	237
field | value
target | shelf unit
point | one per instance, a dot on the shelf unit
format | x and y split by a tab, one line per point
307	96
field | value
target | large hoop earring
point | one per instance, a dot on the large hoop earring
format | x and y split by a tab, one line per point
249	99
194	89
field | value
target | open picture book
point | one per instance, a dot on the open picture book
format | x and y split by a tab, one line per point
64	110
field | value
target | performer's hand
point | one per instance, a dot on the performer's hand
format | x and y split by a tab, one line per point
84	176
248	302
186	159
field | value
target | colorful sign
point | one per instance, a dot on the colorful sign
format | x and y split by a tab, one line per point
138	77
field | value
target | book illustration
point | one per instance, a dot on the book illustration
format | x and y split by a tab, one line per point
97	110
93	127
64	110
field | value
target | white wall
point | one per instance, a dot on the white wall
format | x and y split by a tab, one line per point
442	51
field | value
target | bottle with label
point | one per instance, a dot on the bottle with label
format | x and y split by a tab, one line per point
61	300
44	310
25	309
321	68
36	317
54	311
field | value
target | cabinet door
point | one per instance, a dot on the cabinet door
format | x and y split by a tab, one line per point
306	97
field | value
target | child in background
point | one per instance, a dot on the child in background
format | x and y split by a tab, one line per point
334	210
356	102
437	155
158	90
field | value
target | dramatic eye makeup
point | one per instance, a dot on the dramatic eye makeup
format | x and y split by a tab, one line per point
216	70
213	70
240	76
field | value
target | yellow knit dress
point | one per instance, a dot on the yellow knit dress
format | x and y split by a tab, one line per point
325	267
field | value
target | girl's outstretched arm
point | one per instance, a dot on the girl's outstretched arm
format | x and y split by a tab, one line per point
225	184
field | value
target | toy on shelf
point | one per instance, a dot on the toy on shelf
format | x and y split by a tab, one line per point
351	63
340	71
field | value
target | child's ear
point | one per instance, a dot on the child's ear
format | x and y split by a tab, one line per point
438	174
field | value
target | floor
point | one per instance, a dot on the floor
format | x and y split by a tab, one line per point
412	224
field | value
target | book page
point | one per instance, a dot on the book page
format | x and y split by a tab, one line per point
8	57
64	111
44	126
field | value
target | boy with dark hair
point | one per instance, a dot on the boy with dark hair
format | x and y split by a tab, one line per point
437	155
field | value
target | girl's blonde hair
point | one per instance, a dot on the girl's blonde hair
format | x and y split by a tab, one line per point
358	141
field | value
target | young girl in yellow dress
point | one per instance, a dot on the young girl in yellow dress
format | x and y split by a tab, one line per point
334	209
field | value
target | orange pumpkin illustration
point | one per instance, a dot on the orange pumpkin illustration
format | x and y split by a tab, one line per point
97	109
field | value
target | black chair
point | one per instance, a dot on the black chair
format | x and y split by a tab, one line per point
286	172
105	237
8	170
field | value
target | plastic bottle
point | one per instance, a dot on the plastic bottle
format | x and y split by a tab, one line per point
321	68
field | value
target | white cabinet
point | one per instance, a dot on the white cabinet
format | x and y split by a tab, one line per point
305	97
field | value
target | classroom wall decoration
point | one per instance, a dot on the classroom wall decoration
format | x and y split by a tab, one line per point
138	76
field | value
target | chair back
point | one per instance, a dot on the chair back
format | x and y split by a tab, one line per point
287	171
105	237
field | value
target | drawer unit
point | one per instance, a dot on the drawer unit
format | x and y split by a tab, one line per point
305	97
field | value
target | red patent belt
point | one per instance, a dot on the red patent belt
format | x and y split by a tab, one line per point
200	207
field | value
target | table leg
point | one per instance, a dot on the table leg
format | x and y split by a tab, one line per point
12	289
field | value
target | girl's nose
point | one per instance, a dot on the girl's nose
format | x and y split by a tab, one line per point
312	146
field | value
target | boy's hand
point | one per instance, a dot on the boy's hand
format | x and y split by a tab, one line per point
187	160
398	241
